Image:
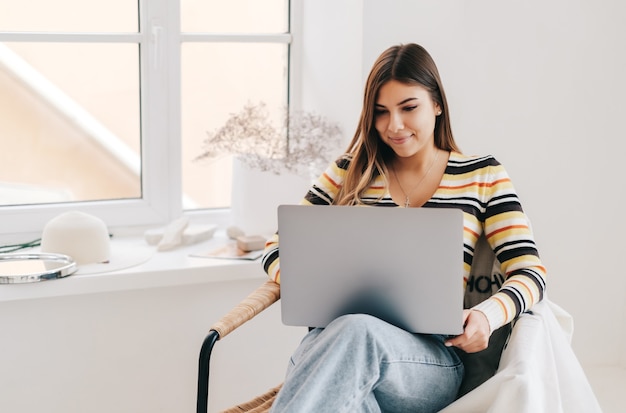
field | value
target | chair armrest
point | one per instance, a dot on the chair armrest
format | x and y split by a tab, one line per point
260	299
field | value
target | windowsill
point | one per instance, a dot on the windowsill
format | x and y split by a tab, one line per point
162	269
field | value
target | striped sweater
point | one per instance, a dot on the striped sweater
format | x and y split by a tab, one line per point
482	189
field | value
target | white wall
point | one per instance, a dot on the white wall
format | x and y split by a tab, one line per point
136	351
538	84
328	49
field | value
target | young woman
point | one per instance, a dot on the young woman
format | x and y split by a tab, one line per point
403	154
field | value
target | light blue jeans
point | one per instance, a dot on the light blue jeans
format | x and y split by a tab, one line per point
359	363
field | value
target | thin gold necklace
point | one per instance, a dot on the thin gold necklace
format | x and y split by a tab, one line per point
407	197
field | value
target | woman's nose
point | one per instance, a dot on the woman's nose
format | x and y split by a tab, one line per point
395	122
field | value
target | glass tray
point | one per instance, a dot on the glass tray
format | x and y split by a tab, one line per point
29	268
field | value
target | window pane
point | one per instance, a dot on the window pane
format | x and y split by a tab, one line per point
69	15
235	16
217	81
69	122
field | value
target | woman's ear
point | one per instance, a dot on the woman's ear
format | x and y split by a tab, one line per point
437	107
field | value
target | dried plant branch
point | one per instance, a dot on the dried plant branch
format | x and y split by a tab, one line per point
303	144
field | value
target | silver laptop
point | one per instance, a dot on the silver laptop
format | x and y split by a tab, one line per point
403	265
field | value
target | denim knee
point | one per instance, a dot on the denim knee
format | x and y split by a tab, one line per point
357	323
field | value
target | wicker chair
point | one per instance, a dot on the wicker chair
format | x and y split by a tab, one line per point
263	297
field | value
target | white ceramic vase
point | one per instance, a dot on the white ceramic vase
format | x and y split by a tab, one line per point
256	195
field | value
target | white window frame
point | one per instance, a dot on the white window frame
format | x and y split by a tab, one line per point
160	40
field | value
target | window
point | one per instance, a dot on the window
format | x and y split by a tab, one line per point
106	108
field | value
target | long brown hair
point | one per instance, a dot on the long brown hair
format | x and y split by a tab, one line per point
410	64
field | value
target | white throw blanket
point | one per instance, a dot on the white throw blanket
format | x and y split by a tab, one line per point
538	371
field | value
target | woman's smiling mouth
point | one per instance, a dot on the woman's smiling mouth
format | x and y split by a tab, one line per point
398	140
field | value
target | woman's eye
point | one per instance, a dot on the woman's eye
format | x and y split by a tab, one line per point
409	108
378	112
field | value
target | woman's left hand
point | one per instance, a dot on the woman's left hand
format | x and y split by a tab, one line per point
476	334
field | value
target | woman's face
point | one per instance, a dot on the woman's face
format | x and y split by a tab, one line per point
404	116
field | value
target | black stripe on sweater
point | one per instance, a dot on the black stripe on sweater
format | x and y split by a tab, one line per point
459	167
516	298
269	259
